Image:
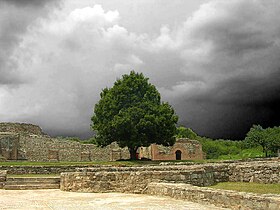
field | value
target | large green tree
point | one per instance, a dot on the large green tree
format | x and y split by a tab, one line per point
268	139
132	114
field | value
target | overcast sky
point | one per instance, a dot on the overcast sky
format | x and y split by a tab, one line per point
217	62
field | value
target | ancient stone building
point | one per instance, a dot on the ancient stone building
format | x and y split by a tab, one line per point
28	142
183	149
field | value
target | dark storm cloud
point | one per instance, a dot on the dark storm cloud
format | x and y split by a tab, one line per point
14	21
233	106
28	2
236	56
219	68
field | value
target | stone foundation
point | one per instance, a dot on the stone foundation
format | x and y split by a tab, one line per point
222	198
259	172
136	179
129	181
177	181
3	178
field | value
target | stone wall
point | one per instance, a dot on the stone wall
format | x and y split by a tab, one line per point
9	144
20	141
267	172
21	128
40	148
136	179
3	177
222	198
130	181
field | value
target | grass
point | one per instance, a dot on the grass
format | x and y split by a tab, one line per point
32	175
249	187
30	163
110	163
243	154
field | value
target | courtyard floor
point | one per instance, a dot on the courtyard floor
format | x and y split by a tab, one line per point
60	200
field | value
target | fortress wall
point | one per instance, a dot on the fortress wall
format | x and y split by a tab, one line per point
22	128
20	141
40	148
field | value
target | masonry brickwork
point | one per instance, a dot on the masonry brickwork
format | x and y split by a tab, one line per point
188	182
136	179
20	141
3	177
221	198
183	149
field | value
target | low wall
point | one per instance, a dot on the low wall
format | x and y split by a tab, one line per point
260	172
3	177
222	198
136	179
130	181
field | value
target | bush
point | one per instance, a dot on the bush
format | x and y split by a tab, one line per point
227	149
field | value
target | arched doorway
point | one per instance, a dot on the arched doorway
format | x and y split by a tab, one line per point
178	155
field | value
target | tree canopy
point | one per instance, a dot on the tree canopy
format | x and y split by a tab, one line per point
268	138
183	132
132	114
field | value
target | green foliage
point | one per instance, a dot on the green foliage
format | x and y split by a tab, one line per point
132	114
243	154
183	132
89	141
227	149
68	163
76	139
268	139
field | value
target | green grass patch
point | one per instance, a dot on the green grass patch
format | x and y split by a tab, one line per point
32	175
29	163
244	154
249	187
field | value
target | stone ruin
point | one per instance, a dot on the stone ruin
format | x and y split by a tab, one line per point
20	141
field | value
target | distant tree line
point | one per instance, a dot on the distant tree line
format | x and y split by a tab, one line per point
259	142
268	139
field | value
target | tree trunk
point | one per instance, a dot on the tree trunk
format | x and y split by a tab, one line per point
132	152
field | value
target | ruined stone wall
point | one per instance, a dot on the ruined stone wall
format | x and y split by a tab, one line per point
21	128
40	148
189	149
222	198
267	172
136	179
130	181
3	177
9	143
28	142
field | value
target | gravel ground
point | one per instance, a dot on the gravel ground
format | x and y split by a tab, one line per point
60	200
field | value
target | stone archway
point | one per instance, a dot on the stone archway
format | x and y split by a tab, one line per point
178	154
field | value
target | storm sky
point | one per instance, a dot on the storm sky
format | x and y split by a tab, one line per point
217	62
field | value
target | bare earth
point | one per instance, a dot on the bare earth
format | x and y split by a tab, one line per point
60	200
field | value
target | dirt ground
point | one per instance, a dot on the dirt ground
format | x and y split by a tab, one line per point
60	200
